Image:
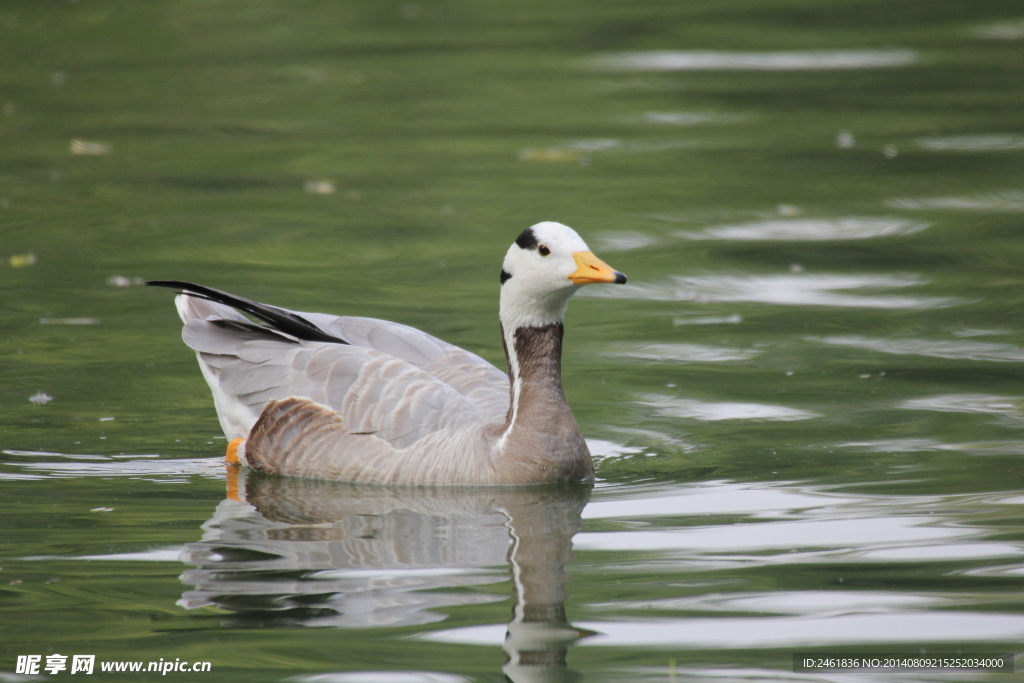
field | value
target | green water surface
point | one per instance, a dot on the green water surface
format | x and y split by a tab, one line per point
806	406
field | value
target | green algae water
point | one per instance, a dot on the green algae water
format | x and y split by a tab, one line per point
806	406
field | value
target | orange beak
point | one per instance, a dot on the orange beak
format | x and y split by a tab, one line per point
590	269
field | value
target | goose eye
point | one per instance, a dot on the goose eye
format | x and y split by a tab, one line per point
544	251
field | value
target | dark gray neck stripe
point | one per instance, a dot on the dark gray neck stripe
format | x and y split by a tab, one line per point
539	350
535	359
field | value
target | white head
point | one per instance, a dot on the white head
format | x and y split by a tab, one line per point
545	266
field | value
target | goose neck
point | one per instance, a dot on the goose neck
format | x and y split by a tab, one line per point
534	355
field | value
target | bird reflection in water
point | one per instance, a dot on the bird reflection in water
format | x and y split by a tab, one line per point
297	552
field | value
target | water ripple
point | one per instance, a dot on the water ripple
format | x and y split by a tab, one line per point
1009	200
717	498
973	143
378	676
147	467
762	632
682	118
784	290
1001	30
676	60
1003	406
722	526
624	241
669	406
818	602
757	537
808	230
924	445
956	350
709	320
682	353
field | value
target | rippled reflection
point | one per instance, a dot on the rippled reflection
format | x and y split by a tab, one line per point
669	406
293	552
624	241
1001	30
1009	409
719	541
787	290
1008	200
973	143
28	465
682	353
959	350
808	230
674	60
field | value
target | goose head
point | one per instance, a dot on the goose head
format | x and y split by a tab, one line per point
546	265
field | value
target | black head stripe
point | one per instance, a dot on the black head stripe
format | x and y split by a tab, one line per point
526	239
505	275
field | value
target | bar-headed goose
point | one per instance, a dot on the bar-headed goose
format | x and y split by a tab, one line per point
365	400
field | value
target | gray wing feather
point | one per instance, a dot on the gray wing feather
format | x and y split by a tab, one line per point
392	381
242	377
228	338
466	372
382	395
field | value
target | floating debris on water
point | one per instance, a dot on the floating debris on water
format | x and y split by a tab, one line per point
845	140
320	187
88	148
890	152
20	260
122	281
107	419
69	321
549	154
40	397
102	510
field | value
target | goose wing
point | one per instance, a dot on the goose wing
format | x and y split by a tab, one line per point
382	378
466	372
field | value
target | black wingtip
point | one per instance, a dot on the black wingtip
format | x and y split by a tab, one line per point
278	318
166	283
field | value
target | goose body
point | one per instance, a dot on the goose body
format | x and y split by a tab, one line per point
372	401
